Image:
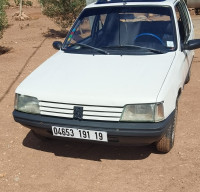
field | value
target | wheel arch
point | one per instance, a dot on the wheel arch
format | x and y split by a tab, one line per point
179	93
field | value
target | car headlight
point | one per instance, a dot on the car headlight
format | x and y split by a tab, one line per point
143	113
27	104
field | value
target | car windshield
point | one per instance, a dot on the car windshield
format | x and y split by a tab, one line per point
123	30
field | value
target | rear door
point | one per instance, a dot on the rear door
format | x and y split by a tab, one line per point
185	33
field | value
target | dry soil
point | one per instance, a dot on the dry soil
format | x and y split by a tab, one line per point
29	164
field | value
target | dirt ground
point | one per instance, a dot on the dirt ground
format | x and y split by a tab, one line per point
29	164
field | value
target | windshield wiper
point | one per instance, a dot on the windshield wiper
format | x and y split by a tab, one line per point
140	47
91	47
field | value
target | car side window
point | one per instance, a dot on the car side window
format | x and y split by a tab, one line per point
186	14
183	21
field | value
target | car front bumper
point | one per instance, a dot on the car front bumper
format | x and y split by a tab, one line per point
118	132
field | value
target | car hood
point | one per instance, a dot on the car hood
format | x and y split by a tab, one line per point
108	80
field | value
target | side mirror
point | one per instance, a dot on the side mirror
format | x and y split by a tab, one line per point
57	45
192	44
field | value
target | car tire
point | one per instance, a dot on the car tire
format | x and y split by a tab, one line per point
167	141
197	11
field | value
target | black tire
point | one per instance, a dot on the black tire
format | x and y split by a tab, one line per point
167	141
197	11
187	80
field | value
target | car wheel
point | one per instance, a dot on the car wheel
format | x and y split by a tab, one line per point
167	141
197	11
187	80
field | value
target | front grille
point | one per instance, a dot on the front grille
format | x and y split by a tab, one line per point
90	112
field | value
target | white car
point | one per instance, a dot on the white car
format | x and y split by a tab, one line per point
117	77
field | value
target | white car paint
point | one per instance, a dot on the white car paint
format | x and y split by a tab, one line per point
112	80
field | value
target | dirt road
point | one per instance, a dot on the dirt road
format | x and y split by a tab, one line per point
29	164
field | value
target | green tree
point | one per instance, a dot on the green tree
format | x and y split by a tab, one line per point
3	19
63	12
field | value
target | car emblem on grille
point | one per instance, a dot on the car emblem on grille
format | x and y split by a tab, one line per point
78	112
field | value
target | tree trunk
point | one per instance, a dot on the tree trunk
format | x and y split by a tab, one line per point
20	8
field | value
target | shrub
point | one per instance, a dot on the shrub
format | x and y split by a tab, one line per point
27	3
3	19
63	12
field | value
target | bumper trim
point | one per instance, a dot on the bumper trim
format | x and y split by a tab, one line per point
123	132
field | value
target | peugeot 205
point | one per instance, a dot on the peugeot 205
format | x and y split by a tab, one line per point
116	78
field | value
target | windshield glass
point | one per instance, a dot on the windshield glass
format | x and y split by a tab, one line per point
123	30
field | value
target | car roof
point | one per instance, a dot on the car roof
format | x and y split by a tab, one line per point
120	1
105	3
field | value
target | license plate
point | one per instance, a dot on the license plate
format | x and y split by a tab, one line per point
80	133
